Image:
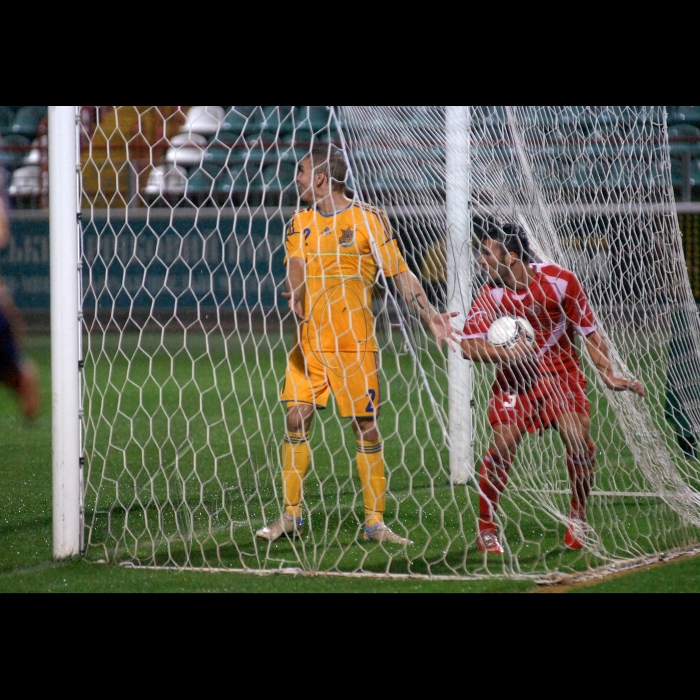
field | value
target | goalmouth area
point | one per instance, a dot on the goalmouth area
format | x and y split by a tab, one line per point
181	337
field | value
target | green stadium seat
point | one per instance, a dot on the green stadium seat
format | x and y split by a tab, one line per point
684	138
216	154
7	118
244	111
267	135
291	155
687	115
13	150
233	124
300	138
200	184
314	118
27	120
677	174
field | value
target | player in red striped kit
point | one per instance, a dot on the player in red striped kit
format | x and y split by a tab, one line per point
537	386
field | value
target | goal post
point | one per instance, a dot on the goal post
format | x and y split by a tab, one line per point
65	332
184	336
458	264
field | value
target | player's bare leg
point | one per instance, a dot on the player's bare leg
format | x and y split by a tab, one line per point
296	457
24	383
19	374
492	481
370	469
574	429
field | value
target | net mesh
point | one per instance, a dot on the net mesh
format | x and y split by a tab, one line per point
186	335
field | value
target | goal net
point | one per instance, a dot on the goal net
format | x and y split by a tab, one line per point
185	336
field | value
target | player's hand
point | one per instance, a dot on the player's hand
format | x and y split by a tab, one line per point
521	351
522	364
621	384
296	306
443	330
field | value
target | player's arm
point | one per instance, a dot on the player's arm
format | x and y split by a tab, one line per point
296	283
480	350
600	356
295	262
412	291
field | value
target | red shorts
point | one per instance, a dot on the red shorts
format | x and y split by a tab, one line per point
537	409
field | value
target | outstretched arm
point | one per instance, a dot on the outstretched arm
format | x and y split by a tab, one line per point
600	356
412	291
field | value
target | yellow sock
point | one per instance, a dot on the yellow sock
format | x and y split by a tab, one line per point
296	457
370	468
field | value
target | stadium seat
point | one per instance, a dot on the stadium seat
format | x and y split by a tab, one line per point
288	154
300	137
199	186
216	154
7	118
684	138
245	111
687	115
230	185
25	186
13	150
27	120
315	118
677	172
256	124
186	149
234	123
229	137
277	120
38	152
166	181
205	120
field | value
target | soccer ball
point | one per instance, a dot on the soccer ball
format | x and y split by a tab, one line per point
504	332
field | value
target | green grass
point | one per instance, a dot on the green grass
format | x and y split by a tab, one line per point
27	565
182	467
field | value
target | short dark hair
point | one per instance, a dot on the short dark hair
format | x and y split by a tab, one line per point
331	160
513	238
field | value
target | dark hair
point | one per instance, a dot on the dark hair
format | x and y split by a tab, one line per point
513	238
330	159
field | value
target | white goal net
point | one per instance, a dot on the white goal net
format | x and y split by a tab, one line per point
185	337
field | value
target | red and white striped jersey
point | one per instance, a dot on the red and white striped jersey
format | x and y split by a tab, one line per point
556	306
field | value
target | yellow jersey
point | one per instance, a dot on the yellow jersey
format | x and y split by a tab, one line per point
341	252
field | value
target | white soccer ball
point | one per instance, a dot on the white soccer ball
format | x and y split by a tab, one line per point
504	332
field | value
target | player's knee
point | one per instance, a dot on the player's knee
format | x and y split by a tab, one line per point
505	445
366	430
299	419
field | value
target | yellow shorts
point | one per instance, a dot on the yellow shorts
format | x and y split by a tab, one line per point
352	377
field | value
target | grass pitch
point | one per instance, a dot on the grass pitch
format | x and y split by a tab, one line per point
26	562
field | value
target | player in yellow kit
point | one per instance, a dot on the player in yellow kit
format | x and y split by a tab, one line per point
335	249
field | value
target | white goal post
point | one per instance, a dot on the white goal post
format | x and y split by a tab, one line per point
170	338
64	234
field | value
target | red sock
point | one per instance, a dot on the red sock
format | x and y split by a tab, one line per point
494	477
581	468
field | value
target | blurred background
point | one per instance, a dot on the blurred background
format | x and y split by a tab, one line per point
167	159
